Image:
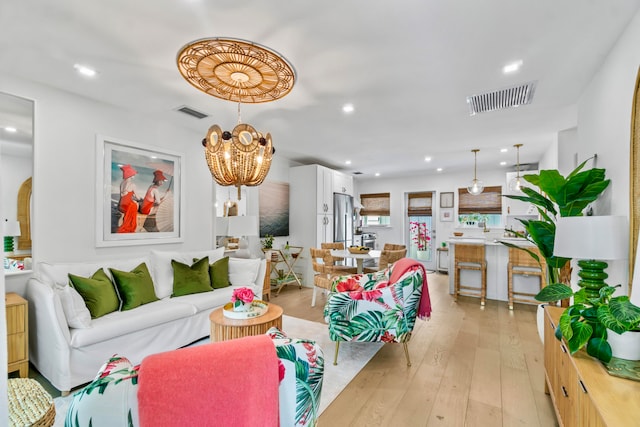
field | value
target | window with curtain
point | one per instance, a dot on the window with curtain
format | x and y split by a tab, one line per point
485	207
420	204
376	208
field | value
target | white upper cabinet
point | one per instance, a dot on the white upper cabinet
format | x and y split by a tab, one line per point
516	207
342	183
324	190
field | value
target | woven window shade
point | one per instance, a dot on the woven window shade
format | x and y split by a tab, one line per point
375	204
420	204
487	202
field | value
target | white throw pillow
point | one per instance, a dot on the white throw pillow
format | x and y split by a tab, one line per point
243	272
75	310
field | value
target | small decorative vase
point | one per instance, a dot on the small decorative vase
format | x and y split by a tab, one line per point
423	255
241	306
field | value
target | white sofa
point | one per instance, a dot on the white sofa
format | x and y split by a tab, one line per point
70	356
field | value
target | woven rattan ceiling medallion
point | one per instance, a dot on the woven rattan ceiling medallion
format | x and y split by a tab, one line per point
236	70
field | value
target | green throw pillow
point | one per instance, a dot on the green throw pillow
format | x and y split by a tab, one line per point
135	287
97	292
219	273
191	279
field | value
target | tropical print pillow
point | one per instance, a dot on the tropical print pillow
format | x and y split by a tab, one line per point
301	373
366	307
109	400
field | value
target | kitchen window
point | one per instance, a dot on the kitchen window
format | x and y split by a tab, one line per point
376	209
486	207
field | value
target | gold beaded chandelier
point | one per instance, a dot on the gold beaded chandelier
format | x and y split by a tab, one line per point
238	71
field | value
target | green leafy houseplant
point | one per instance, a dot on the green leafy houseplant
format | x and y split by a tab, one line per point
557	196
585	323
267	242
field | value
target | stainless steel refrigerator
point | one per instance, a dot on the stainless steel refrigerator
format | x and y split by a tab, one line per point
343	219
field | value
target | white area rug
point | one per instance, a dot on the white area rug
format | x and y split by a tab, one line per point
352	358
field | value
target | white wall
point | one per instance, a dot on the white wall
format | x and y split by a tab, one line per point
604	121
64	200
398	187
567	150
4	403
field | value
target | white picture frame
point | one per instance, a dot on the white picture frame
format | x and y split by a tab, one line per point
164	221
446	215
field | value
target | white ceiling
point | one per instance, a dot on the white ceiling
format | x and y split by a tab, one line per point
406	66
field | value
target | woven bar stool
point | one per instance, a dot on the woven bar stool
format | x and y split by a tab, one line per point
29	403
470	257
522	263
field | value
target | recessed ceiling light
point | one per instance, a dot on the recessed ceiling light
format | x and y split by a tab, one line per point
504	150
503	163
10	129
512	67
439	170
348	108
377	173
348	162
85	71
427	159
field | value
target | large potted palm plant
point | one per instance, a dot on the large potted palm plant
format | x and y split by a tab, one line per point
557	196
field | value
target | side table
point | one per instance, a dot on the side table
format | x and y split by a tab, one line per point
17	334
287	274
224	328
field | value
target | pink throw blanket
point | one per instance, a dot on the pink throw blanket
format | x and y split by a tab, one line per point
230	383
401	267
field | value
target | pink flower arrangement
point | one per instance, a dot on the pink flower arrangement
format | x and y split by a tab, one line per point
242	296
420	234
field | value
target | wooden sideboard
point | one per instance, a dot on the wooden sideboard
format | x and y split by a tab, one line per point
582	391
17	334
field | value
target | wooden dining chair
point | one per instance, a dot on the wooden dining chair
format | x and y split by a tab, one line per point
325	271
387	257
336	246
393	247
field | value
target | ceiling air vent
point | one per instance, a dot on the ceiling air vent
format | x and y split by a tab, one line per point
514	96
192	112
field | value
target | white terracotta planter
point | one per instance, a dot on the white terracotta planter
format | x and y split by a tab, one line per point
540	321
624	346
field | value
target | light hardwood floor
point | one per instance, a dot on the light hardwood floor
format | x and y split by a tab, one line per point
470	367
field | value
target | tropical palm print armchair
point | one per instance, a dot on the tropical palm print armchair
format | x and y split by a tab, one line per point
111	399
369	308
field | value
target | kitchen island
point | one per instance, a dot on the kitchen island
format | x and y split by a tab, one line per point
497	256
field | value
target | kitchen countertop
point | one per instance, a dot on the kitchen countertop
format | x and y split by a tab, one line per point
489	241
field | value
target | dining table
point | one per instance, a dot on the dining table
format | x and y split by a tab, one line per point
359	257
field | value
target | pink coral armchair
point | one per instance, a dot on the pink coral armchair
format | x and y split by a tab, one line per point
378	307
127	395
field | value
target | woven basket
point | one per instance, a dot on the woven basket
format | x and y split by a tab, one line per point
358	251
29	403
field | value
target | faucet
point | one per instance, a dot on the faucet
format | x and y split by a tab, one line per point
485	229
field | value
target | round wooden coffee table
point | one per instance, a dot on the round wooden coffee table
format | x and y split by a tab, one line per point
224	328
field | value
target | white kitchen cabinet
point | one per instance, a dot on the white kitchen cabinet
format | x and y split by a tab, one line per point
324	188
310	211
342	183
324	230
512	206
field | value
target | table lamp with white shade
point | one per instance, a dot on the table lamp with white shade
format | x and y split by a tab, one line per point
592	240
243	227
